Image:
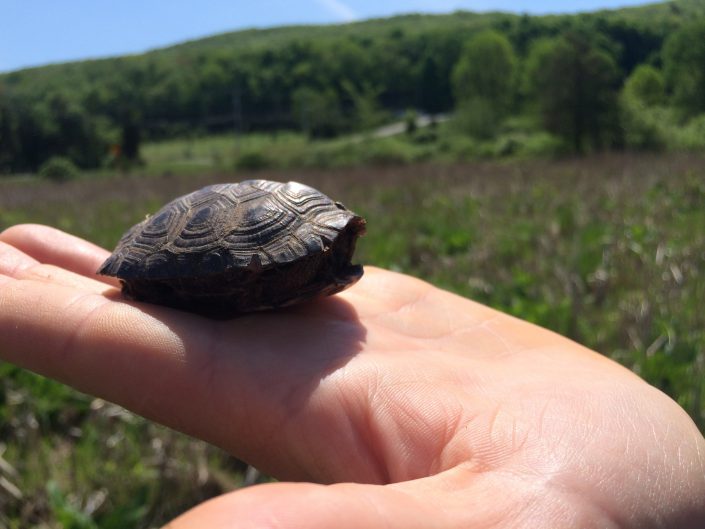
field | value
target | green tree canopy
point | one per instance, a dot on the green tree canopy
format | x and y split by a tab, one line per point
318	111
485	70
642	114
645	85
684	64
573	84
483	83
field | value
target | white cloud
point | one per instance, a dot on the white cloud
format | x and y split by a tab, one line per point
339	9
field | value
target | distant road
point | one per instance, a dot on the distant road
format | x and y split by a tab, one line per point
422	120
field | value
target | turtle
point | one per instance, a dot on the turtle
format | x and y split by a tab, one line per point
234	248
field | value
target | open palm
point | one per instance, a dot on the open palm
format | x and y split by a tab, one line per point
416	407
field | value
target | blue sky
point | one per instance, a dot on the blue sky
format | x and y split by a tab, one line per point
37	32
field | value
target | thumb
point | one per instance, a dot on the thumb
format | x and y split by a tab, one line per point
310	506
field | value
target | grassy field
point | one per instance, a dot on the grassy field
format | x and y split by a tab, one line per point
290	150
440	143
609	251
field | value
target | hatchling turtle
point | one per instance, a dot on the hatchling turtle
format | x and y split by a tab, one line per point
234	248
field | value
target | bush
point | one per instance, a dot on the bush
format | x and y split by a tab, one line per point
458	148
410	117
643	127
58	168
543	144
425	136
477	118
252	161
387	151
691	137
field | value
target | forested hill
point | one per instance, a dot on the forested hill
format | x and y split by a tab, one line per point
325	80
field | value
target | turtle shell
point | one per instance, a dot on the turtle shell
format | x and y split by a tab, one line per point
233	248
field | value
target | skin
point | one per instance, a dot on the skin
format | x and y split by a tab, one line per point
394	404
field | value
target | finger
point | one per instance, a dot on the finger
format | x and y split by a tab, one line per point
158	362
113	350
304	505
52	246
49	313
455	499
13	260
18	265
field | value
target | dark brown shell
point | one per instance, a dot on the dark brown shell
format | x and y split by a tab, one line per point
233	248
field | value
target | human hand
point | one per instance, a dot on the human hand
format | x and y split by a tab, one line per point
419	408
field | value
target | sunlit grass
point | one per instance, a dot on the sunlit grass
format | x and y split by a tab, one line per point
440	143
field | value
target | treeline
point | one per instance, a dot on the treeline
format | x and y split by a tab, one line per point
595	81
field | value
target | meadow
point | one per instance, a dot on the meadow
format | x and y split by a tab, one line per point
289	150
608	250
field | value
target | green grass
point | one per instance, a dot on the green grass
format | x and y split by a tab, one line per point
606	250
443	143
285	150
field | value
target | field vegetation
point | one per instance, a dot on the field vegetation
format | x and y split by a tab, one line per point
289	150
608	250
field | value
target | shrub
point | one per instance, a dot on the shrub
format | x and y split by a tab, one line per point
425	136
692	135
643	127
58	168
543	144
388	151
252	160
458	148
410	117
477	118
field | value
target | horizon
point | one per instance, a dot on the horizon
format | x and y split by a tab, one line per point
36	37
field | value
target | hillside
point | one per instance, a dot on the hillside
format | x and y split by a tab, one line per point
661	17
322	80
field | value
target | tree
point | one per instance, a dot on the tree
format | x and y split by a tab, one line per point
574	87
645	85
72	133
684	65
429	97
9	142
131	137
318	111
643	117
634	41
367	111
485	70
32	131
